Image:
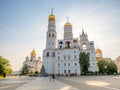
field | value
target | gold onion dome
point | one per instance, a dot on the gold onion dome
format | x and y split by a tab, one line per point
33	53
67	24
51	17
98	51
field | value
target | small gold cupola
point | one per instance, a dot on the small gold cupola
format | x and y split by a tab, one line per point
98	51
68	23
33	53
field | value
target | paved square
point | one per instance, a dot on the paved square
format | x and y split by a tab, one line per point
93	82
43	83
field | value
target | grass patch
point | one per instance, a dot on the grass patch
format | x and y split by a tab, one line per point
1	77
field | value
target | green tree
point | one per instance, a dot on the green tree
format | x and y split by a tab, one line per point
107	66
84	62
25	70
5	67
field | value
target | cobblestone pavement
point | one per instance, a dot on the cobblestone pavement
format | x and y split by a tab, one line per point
93	82
61	83
12	82
43	83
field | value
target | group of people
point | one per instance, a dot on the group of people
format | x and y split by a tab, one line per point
52	77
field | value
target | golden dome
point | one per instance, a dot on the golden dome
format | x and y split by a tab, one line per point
51	17
67	24
33	53
98	51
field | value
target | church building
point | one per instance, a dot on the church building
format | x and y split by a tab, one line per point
62	56
34	64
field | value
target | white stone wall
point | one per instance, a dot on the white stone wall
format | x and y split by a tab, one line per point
65	60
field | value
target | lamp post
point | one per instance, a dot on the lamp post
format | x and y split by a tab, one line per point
105	69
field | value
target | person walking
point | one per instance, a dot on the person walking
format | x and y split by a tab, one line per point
53	77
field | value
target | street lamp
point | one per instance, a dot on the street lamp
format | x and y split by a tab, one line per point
105	69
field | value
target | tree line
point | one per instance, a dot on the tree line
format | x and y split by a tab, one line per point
105	65
5	67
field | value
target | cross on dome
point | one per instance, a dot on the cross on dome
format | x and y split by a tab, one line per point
67	19
52	10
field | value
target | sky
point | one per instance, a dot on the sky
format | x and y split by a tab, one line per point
23	25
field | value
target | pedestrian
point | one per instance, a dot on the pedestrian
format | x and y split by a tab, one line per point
53	77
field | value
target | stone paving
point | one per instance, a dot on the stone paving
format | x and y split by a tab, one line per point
43	83
12	82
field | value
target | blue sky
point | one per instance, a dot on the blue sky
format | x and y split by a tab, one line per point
23	25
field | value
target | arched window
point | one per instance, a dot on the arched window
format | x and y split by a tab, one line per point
60	42
68	64
69	71
64	57
67	44
49	35
68	57
74	56
75	64
74	41
84	46
52	35
53	54
91	43
64	71
64	64
47	55
58	57
58	64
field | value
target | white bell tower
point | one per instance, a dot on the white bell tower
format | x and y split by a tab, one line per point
51	33
49	51
68	30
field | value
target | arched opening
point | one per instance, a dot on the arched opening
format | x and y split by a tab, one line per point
65	71
60	42
49	35
58	64
47	55
69	71
53	54
52	35
67	44
74	41
84	46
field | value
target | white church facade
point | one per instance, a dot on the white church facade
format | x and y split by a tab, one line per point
34	64
62	56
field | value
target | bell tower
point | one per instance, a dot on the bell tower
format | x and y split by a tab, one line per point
68	30
51	32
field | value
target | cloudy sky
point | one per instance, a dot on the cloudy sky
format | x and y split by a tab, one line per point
23	25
